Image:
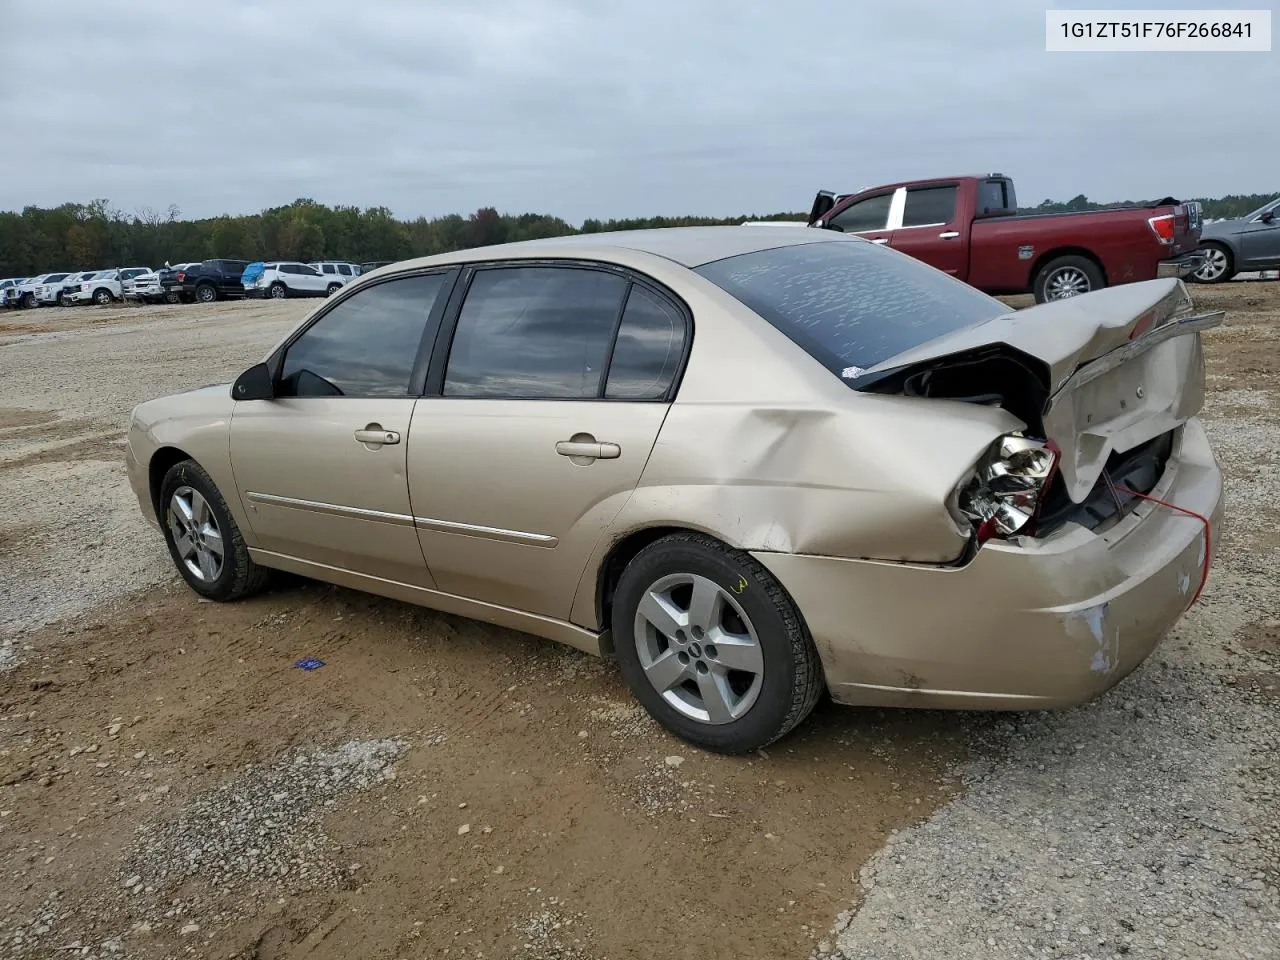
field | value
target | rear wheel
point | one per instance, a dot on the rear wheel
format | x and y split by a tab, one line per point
1068	276
712	646
277	291
333	288
205	293
1218	266
203	539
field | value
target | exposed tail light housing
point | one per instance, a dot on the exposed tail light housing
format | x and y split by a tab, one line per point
180	277
1003	495
1163	227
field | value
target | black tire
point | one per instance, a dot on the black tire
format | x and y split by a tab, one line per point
29	301
63	301
238	575
172	296
1061	267
1227	273
791	679
206	293
277	291
102	297
333	288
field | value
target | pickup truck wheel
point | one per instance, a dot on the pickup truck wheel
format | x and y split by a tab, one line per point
172	296
102	297
277	291
29	301
205	293
1218	267
1068	276
63	301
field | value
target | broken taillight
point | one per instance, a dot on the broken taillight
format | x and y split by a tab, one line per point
180	277
1003	495
1163	228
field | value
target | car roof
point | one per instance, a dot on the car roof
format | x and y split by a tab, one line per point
688	246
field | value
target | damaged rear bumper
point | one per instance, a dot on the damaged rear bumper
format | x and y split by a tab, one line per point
1181	267
1022	626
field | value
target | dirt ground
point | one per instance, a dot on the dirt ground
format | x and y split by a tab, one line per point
498	795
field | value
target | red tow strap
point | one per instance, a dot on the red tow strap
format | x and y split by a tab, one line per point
1204	573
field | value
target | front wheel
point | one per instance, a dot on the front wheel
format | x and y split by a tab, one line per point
203	539
1218	266
102	297
29	301
712	646
1068	276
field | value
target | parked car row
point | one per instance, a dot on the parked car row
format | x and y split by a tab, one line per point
201	281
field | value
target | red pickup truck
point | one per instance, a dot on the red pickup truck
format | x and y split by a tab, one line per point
970	227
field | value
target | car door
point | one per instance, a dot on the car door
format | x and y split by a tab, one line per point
930	230
1260	240
871	217
308	279
534	431
321	467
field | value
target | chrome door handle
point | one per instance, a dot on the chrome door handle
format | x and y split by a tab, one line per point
375	436
881	240
948	234
588	450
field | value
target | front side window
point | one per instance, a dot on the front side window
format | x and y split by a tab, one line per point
646	355
534	333
869	214
365	346
927	206
851	304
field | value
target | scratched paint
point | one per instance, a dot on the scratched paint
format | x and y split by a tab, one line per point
1107	657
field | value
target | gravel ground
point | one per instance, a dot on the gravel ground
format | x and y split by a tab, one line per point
171	787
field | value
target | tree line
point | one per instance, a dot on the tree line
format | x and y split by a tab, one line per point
84	236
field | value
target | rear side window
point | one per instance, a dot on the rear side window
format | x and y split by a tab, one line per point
647	353
927	206
851	304
869	214
534	333
365	346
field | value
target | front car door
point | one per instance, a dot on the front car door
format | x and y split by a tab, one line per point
321	467
930	229
1260	241
556	382
307	279
872	217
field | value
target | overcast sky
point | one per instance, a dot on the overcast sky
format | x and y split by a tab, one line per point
603	108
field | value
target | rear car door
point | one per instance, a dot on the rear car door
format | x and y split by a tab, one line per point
547	401
931	229
1260	242
321	467
869	217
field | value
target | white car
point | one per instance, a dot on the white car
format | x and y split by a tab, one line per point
338	273
105	286
9	286
26	294
288	278
60	293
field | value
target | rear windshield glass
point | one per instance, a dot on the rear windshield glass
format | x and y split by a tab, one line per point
851	304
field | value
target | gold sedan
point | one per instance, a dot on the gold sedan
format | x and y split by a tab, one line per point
749	463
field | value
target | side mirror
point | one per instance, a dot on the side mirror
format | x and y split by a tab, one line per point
254	384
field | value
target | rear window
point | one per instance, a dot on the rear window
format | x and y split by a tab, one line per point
851	304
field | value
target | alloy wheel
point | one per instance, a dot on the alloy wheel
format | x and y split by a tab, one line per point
698	648
196	536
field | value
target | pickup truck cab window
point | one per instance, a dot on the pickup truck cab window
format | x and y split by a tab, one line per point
869	214
930	206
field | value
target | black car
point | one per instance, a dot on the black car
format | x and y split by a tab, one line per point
205	282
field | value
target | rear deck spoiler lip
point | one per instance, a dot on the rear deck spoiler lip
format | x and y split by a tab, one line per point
1134	348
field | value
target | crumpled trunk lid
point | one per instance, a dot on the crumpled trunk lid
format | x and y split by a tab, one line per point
1121	366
